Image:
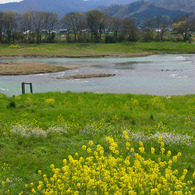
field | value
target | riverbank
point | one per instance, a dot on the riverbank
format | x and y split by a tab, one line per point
79	50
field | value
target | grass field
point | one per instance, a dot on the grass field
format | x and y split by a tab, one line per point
95	50
85	143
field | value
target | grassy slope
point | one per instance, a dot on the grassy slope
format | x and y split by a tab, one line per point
92	49
87	116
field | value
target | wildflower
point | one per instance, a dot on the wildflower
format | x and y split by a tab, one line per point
39	172
76	154
91	143
160	138
128	145
174	158
152	150
179	154
88	150
84	147
31	183
142	149
162	150
33	191
64	161
168	153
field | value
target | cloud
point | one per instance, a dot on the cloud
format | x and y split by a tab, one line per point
8	1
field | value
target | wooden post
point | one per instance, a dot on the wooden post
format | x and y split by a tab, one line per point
23	87
31	89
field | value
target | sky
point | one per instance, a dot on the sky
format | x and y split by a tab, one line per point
8	1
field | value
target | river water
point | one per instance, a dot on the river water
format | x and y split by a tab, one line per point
156	75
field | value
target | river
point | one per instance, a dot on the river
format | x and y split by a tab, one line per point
169	74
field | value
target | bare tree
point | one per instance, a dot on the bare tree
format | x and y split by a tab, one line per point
74	22
115	25
10	25
52	20
96	21
148	29
129	29
27	24
160	23
39	23
1	26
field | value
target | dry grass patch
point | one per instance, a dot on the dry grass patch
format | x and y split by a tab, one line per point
26	68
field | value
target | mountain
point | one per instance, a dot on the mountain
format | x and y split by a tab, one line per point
182	5
60	6
142	10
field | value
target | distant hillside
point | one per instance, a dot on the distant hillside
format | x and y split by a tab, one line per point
183	5
60	6
117	8
142	10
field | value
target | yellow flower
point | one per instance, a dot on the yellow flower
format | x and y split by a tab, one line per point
160	138
152	150
168	153
76	154
142	149
178	154
89	150
174	158
128	145
91	143
33	190
162	150
84	147
31	183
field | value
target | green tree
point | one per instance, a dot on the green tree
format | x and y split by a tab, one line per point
184	27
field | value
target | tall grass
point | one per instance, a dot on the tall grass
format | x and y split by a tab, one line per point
96	50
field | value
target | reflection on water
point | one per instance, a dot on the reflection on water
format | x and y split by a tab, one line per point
157	75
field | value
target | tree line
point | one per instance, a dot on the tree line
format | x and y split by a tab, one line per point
92	26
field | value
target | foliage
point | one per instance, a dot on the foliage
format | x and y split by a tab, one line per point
124	171
44	129
185	28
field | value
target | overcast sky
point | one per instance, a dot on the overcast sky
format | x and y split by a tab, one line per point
7	1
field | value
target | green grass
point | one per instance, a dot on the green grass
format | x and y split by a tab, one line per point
86	116
96	50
